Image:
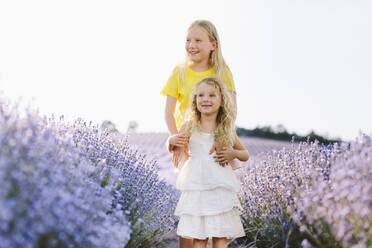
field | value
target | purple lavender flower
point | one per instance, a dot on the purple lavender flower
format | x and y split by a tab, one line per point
75	185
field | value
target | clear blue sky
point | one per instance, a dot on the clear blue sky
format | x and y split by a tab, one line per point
304	64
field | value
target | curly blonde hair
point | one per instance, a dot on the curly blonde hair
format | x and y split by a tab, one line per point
224	132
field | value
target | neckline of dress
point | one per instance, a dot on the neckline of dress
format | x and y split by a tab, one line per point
205	133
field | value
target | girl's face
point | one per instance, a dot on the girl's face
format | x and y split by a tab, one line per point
208	99
198	46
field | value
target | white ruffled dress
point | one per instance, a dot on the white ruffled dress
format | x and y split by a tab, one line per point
208	206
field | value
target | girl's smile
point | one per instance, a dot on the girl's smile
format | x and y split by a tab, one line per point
198	46
208	99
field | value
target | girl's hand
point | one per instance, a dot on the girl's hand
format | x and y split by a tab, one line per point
217	148
178	140
224	155
179	155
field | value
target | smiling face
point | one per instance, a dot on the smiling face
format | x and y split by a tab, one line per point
208	99
198	46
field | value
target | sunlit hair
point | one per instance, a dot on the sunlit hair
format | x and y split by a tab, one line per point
216	60
224	131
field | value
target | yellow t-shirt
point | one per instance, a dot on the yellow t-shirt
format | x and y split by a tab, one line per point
174	88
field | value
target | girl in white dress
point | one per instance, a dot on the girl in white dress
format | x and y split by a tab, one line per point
209	206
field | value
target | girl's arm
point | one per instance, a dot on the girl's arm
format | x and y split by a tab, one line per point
240	151
180	151
227	154
170	107
175	139
235	108
179	140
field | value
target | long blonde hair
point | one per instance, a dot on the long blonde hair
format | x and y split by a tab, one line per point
224	132
216	60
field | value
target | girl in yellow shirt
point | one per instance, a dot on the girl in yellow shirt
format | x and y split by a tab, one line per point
203	59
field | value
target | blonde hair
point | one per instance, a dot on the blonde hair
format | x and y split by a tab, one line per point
224	132
216	60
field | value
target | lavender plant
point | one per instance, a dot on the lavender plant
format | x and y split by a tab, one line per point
76	184
148	201
341	205
284	196
47	198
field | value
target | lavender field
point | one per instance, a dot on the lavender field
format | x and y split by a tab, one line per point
73	185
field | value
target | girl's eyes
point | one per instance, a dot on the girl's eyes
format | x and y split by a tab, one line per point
210	95
197	40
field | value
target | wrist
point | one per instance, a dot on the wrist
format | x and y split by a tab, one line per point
235	153
171	139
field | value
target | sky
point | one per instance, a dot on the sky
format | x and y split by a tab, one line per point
306	65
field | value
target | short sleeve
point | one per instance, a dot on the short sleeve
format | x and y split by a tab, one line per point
229	80
171	87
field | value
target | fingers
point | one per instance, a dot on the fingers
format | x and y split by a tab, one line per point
181	143
223	164
224	152
221	160
222	157
219	156
182	136
181	140
178	140
213	148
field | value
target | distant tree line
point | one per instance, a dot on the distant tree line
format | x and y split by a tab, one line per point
280	133
266	132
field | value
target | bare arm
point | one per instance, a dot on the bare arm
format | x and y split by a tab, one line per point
178	141
170	107
240	151
176	138
235	109
180	149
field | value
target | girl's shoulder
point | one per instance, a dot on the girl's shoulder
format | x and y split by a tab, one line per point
174	77
180	67
177	68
